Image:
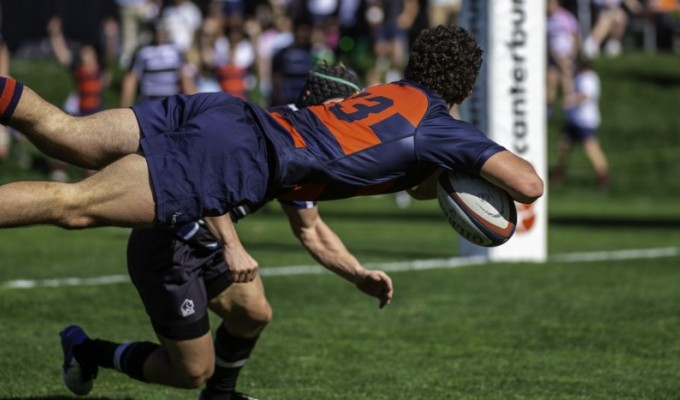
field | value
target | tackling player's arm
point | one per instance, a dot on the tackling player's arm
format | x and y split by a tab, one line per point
327	248
504	169
242	267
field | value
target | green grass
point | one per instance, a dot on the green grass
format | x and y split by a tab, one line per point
588	330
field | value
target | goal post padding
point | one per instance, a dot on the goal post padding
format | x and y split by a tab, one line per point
509	104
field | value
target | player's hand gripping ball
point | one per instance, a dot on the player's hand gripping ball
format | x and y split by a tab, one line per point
478	210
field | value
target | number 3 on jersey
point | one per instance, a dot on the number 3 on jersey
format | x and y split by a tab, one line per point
360	107
352	121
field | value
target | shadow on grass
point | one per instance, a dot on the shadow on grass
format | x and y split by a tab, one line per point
63	398
397	253
661	80
651	77
615	222
371	216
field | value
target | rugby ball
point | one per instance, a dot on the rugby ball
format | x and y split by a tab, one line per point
478	210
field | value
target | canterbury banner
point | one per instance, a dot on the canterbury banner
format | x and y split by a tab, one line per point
509	105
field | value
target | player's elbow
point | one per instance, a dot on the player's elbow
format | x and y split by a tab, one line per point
529	190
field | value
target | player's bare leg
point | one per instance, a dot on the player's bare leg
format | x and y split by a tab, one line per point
245	312
181	363
559	171
593	150
243	307
118	195
90	142
189	363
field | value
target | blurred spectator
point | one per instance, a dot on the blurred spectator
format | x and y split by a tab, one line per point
158	70
182	19
229	13
291	65
390	21
201	57
323	17
611	21
666	18
563	47
581	125
83	62
444	12
234	63
277	33
99	28
134	17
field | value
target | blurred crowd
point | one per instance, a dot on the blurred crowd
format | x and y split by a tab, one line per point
262	50
258	49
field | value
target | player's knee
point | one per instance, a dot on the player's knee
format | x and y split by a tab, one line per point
253	319
195	376
262	315
69	208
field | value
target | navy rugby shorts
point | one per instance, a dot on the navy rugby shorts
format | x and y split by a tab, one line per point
579	133
175	281
205	156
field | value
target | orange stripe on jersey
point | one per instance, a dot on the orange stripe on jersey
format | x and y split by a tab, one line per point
7	93
360	112
297	138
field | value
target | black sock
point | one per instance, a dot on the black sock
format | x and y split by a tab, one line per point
95	352
231	354
128	358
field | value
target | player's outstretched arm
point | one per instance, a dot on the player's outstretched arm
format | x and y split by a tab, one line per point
242	267
327	248
515	175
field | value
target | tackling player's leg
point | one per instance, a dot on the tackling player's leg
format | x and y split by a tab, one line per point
78	377
245	312
83	356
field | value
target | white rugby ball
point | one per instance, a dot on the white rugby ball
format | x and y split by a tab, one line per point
478	210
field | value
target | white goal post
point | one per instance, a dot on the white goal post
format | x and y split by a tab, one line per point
509	104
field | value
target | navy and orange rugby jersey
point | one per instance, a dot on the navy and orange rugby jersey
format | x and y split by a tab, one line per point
386	139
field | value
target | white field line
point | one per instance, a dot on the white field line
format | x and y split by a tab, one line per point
415	265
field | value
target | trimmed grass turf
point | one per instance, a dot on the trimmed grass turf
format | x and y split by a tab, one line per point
558	331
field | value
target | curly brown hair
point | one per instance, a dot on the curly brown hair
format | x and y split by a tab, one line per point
445	59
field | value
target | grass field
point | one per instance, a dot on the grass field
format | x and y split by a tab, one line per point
592	329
